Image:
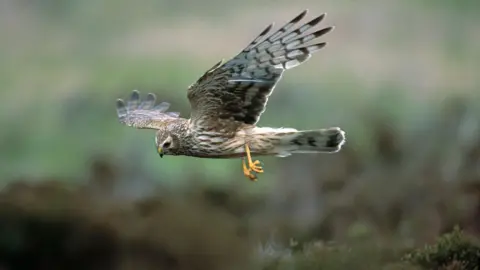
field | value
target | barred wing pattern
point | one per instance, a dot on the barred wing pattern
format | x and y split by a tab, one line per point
239	89
144	114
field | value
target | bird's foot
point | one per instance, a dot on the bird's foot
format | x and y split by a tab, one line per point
248	172
253	167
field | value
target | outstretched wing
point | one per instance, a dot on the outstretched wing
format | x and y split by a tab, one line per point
238	90
144	114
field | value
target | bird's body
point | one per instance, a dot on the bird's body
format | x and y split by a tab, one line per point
228	100
262	141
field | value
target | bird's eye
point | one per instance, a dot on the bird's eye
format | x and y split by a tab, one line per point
166	145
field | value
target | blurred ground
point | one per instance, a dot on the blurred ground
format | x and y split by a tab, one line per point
399	76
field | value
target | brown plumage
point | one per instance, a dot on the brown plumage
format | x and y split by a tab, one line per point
228	100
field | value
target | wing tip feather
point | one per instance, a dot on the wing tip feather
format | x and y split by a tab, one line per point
151	97
135	95
317	19
120	103
135	102
301	15
267	29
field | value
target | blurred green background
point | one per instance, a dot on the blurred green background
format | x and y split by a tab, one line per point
400	77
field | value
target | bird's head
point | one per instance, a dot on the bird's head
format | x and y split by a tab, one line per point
166	143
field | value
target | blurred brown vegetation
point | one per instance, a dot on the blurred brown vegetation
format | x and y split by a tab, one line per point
53	225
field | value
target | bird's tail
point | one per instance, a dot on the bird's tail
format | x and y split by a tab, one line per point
328	140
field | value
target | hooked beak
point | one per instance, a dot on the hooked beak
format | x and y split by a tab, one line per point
160	151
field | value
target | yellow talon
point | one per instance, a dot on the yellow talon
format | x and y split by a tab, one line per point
254	166
247	172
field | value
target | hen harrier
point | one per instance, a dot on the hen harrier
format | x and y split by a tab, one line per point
227	101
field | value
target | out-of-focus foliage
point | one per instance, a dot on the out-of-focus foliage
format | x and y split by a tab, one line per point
80	190
49	225
52	225
450	250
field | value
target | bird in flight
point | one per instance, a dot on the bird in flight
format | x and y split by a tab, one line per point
227	102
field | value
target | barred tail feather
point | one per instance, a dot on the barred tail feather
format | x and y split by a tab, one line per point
328	140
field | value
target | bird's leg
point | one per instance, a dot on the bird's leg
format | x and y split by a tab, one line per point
253	165
247	172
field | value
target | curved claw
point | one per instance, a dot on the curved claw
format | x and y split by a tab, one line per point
252	176
256	166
